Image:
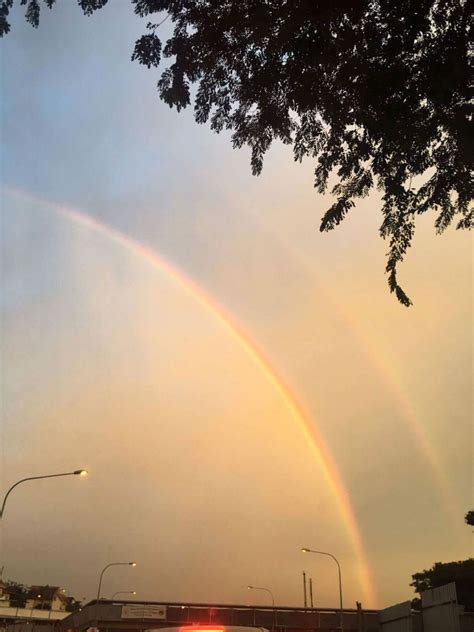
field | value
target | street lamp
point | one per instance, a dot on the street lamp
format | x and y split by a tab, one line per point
124	592
265	589
108	566
35	478
305	550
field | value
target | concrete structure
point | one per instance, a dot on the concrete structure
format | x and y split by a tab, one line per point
441	614
130	616
11	614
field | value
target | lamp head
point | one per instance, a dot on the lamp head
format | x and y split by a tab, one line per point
132	563
305	550
81	472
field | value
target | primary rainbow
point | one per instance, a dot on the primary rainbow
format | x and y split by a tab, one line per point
257	356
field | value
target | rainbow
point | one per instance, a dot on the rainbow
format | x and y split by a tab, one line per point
257	356
386	374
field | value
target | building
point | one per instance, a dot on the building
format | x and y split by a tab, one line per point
46	598
4	595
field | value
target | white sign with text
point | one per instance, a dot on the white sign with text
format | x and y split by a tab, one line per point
143	611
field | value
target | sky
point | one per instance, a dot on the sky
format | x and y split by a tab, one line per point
238	384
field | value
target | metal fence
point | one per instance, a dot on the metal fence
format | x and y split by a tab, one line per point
440	612
397	618
440	609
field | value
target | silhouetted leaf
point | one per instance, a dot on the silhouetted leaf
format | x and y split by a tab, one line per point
148	50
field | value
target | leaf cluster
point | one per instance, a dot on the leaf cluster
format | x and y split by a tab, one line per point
462	573
376	92
17	592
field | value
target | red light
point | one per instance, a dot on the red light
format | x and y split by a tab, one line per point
207	628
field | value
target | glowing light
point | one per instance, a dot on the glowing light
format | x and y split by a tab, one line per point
245	341
208	628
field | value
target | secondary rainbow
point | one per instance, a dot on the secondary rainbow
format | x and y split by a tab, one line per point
241	337
386	373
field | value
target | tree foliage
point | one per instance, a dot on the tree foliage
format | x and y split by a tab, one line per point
73	605
443	573
17	593
469	517
376	92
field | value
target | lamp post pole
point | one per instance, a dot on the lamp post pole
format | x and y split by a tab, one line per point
305	550
271	595
265	589
108	566
36	478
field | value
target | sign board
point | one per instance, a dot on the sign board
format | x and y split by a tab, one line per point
143	611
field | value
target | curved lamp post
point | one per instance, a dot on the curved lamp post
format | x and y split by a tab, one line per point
265	589
108	566
124	592
305	550
36	478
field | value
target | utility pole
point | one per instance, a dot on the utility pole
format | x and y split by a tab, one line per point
304	590
360	617
311	591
